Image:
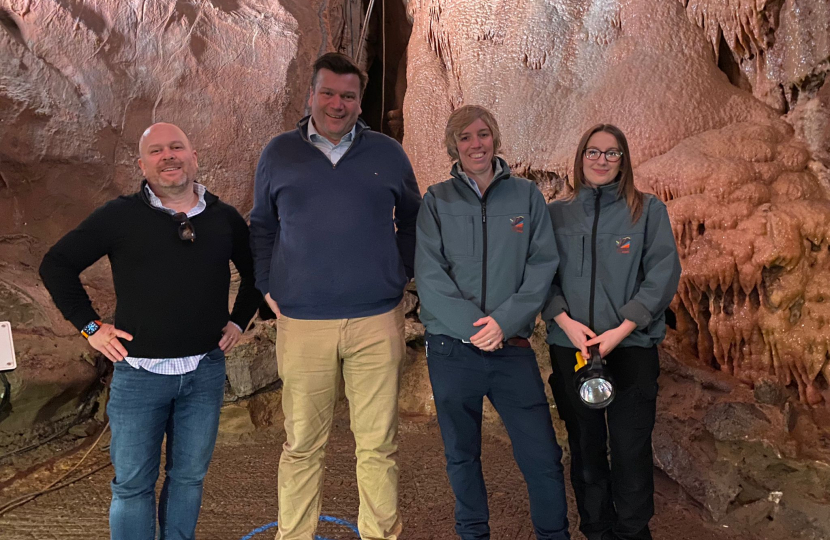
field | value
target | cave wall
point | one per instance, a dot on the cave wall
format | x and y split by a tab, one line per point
726	108
725	104
746	187
79	82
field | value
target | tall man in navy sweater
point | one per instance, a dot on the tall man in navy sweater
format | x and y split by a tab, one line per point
169	246
328	198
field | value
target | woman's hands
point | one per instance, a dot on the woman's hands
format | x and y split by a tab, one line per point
577	332
608	340
490	337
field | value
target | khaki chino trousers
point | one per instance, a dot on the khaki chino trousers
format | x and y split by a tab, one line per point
312	355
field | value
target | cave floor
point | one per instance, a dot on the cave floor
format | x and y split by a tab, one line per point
240	497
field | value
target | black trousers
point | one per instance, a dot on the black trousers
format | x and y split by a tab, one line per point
615	501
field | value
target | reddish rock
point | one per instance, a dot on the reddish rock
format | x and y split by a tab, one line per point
79	82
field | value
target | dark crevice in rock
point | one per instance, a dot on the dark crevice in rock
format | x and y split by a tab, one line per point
731	67
87	16
808	87
383	100
549	183
8	23
228	6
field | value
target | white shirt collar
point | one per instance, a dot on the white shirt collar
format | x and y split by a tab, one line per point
312	132
497	170
198	188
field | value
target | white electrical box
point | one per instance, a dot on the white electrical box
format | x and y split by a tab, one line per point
7	360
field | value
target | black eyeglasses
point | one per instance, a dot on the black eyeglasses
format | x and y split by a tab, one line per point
186	229
611	156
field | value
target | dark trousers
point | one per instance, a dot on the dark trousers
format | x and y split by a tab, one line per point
461	375
614	502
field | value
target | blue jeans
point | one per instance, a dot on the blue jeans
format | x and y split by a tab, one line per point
461	375
143	407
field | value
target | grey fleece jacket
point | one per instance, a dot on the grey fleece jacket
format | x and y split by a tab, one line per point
634	274
474	256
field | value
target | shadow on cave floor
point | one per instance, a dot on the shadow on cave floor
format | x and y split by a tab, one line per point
241	493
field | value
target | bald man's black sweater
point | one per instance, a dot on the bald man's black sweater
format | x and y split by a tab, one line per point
171	294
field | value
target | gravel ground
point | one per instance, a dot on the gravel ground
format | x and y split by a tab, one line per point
241	495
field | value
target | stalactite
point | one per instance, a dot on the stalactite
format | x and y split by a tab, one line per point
753	238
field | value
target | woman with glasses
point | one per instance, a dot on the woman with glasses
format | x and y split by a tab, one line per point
618	272
484	259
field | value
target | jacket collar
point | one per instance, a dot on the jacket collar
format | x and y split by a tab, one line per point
502	170
302	126
608	194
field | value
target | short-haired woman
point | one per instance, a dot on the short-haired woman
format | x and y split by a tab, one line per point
619	270
484	261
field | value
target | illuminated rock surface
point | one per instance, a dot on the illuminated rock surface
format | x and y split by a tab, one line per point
749	212
79	82
724	102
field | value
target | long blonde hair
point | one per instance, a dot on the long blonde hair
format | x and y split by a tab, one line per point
633	196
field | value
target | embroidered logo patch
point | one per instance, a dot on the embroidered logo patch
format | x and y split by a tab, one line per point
518	224
624	244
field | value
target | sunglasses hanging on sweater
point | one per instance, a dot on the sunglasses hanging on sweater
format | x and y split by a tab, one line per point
186	229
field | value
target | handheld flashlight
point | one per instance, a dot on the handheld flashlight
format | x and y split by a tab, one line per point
592	380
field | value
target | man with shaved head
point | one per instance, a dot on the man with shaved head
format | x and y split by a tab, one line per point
169	246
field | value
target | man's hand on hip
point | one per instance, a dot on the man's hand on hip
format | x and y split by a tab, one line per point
106	341
230	337
273	305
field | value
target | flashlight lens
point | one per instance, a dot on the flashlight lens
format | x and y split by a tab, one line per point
596	391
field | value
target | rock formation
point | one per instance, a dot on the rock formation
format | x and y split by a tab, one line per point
746	197
550	70
79	82
725	104
752	224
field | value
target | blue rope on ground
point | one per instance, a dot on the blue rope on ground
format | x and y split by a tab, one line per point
328	519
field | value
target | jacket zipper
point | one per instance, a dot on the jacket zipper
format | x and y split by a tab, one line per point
483	202
484	254
593	260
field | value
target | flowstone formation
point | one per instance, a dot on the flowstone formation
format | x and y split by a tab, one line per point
676	77
778	50
752	225
549	70
726	108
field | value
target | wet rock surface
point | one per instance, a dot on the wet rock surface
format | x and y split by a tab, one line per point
550	70
751	224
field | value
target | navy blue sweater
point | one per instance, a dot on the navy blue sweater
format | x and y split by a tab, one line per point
334	241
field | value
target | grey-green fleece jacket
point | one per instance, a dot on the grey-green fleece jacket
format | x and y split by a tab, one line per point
623	270
474	256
